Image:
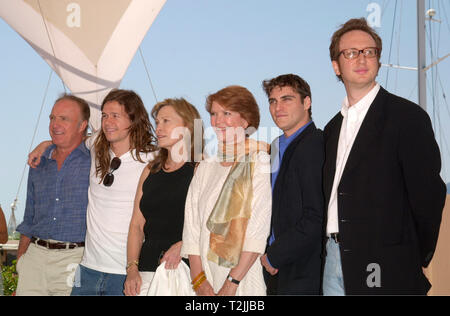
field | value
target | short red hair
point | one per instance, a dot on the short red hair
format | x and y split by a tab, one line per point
237	99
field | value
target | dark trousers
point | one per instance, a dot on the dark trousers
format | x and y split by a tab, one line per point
271	283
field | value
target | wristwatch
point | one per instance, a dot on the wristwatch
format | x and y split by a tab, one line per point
230	278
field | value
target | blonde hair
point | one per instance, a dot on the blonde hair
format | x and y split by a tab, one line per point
189	114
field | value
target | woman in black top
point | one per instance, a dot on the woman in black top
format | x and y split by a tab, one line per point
156	226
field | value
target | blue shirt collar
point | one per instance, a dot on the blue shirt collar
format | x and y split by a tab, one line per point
287	140
81	148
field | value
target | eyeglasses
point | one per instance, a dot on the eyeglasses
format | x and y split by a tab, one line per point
109	178
353	53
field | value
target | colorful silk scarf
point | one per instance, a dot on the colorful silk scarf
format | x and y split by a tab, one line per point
229	218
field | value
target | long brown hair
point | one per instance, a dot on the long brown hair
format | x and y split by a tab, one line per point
141	132
190	115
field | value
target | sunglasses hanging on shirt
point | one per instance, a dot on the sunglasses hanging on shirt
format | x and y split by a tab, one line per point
109	178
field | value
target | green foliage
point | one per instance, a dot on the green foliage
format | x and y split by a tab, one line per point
14	236
10	278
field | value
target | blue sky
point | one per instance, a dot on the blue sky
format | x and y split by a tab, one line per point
196	47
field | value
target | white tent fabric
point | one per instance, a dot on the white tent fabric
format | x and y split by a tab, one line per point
89	44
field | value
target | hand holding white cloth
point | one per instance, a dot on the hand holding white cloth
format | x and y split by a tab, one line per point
176	282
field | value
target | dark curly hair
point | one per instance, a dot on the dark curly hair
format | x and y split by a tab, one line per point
295	82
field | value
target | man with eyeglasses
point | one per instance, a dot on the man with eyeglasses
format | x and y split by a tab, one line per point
54	224
381	179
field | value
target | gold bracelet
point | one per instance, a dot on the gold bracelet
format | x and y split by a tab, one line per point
129	264
199	282
198	277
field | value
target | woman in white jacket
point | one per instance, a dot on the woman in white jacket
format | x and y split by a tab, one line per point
228	207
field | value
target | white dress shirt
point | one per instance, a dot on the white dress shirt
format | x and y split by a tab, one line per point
351	123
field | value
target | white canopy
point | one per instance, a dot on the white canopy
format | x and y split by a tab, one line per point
88	43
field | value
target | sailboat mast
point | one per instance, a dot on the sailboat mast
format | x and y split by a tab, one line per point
422	80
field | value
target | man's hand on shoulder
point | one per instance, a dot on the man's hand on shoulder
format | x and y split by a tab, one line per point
34	158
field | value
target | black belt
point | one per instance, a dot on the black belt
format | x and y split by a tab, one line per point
56	245
335	237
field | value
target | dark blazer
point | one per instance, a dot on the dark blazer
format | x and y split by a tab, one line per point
390	197
297	215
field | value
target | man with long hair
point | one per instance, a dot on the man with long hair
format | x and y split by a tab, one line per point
120	150
119	153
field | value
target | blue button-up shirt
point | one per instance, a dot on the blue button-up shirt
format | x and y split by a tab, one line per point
283	144
57	200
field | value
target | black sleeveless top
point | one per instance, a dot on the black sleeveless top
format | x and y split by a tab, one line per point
162	205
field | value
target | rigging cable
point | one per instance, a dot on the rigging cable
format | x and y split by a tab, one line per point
438	80
34	134
442	135
392	40
446	17
433	78
398	45
148	73
434	86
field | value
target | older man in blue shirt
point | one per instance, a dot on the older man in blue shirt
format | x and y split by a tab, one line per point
54	225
